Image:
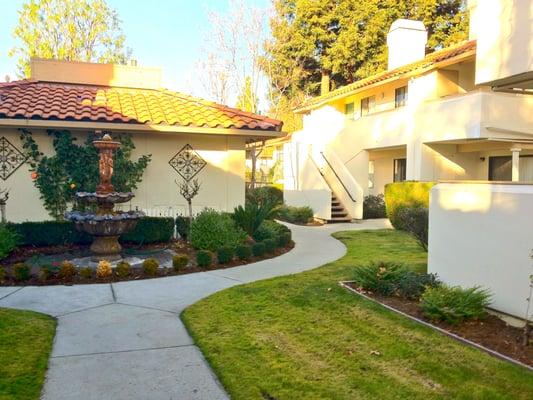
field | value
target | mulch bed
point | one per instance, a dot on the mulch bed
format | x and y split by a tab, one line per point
24	253
490	332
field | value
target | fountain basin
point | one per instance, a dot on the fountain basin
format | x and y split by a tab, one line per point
101	198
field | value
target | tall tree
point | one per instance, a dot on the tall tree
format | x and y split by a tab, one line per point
75	30
346	39
247	99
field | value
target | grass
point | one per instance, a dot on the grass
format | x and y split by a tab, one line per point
304	337
25	344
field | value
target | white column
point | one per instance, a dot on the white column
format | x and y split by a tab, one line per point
516	164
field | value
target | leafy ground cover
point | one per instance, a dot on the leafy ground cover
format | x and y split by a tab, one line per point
25	345
303	336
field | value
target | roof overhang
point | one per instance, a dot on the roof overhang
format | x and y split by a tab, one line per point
145	128
521	83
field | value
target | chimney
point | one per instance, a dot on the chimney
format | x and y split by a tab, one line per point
324	83
406	41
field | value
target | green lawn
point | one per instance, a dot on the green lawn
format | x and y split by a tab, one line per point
304	337
25	344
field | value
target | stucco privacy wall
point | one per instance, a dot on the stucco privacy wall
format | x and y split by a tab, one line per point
222	179
481	234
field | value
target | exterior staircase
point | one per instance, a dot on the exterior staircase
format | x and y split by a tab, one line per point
338	212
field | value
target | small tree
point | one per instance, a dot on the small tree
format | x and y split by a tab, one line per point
189	192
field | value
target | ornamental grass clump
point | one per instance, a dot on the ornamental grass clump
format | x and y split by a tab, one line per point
179	262
21	272
204	258
243	252
67	270
86	272
123	269
47	272
454	304
379	277
150	267
2	274
104	269
225	254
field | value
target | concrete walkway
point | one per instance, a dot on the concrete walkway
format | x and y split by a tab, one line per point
126	341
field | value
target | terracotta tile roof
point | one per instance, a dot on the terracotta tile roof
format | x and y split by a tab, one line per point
29	99
432	60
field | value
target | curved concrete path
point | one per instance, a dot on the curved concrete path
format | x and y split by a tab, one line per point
126	341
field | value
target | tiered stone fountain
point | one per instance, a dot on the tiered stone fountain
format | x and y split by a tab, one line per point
105	225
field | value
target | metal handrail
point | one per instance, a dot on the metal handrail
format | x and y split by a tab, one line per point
337	176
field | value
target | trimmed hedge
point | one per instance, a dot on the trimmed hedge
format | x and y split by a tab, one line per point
296	215
405	194
211	230
54	233
265	194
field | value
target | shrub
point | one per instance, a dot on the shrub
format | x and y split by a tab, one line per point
284	239
265	194
204	258
380	277
243	252
412	284
150	267
258	249
225	254
67	270
183	226
8	240
405	194
86	272
151	230
49	233
21	272
2	274
123	269
250	217
47	272
104	269
211	230
270	245
296	215
414	220
454	304
269	230
374	206
179	261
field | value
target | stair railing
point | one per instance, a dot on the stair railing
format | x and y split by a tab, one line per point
350	195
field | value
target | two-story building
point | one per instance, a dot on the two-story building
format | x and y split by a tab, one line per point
460	113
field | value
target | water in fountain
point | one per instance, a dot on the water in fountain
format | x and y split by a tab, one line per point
105	225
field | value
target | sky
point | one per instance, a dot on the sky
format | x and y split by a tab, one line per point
162	33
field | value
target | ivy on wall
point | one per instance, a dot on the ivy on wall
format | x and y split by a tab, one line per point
74	168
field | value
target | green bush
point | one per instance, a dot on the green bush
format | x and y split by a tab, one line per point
21	272
243	252
151	230
8	240
380	277
412	284
49	233
258	249
211	230
296	215
2	274
374	207
284	239
179	261
270	245
183	226
454	304
204	258
250	217
86	272
225	254
269	230
123	269
265	194
414	220
150	266
405	194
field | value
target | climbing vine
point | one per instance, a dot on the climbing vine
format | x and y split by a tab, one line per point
74	168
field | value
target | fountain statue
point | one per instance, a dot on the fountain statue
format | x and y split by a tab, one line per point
105	225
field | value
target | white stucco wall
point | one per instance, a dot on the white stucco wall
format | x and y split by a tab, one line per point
481	235
222	179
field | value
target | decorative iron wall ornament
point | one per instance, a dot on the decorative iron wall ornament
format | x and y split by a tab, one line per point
11	158
187	162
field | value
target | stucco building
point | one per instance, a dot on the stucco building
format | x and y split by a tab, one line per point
460	113
174	128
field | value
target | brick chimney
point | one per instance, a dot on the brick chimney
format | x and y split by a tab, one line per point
406	41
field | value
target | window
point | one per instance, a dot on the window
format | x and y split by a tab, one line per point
371	174
349	110
501	168
400	97
400	169
367	105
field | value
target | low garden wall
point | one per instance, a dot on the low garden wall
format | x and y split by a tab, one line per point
481	234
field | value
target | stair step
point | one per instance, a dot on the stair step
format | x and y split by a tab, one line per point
337	208
336	220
